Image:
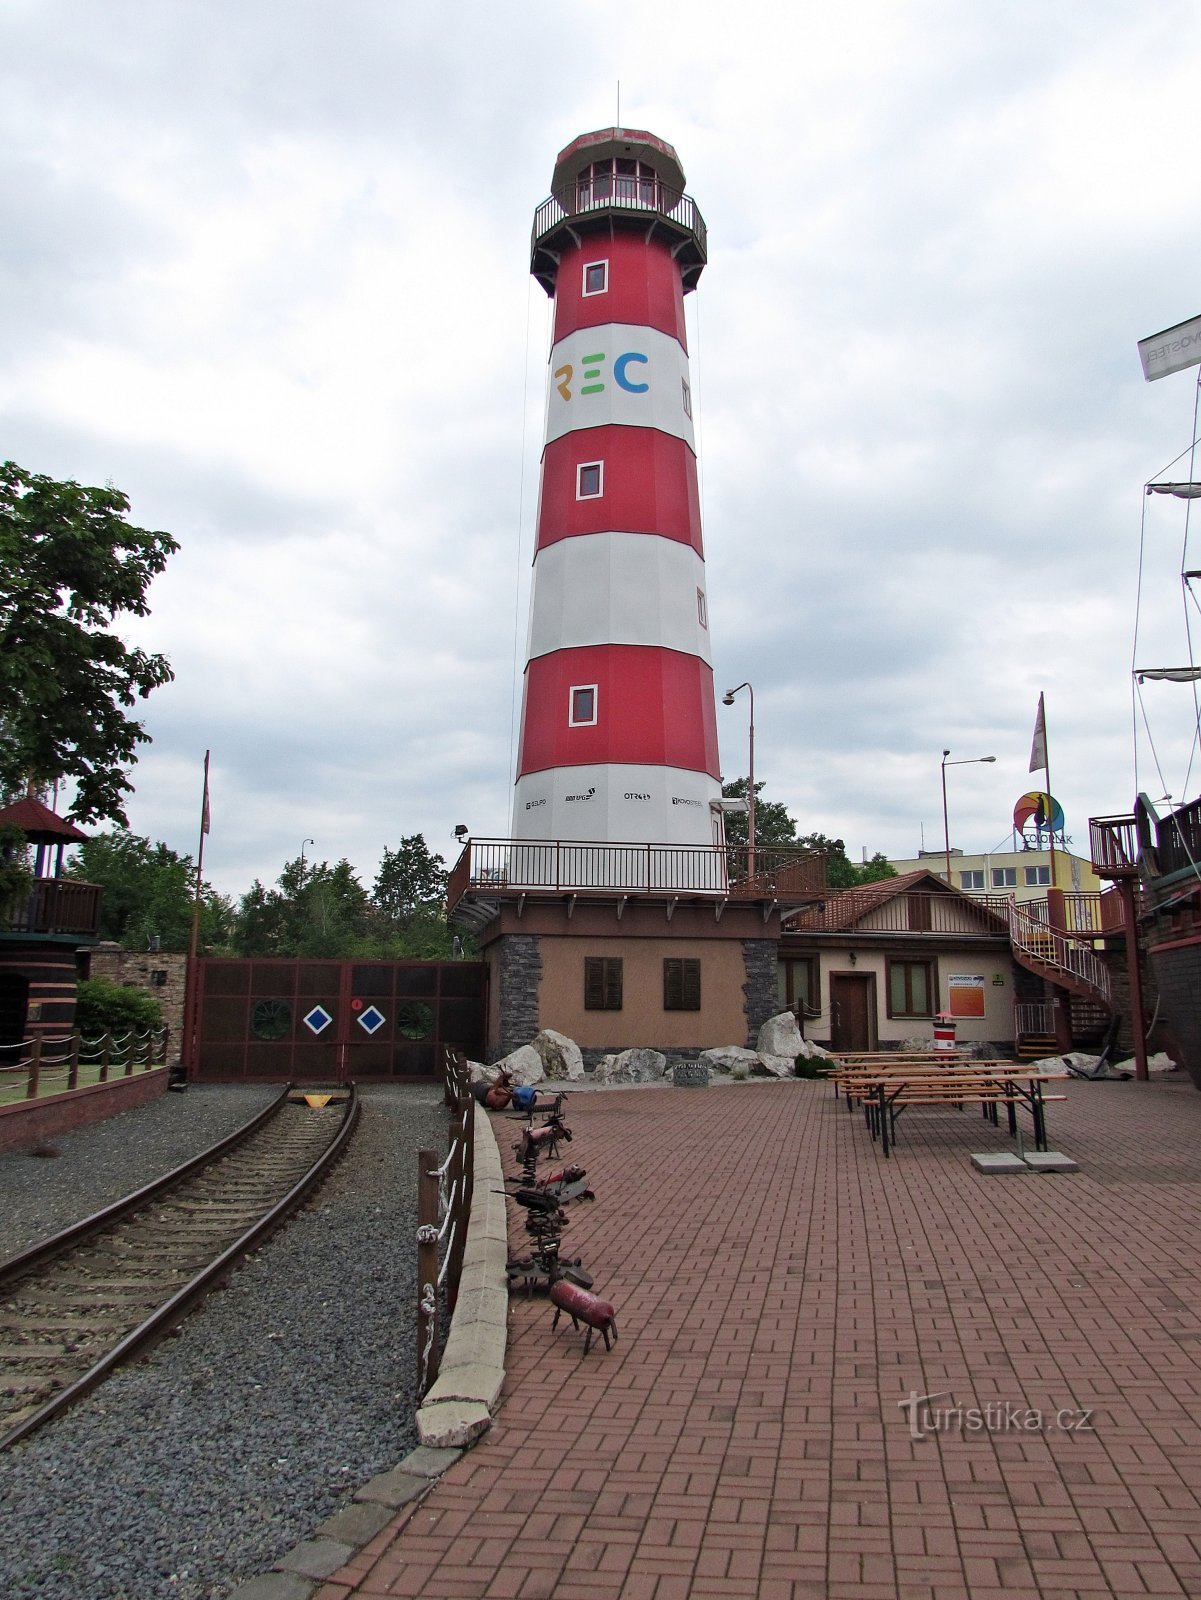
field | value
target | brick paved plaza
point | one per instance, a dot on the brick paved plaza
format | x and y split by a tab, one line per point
780	1289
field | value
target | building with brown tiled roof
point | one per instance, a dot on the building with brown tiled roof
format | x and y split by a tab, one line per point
876	964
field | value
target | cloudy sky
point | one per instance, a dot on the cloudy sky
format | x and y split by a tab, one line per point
264	266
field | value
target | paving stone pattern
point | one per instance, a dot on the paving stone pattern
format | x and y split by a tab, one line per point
780	1288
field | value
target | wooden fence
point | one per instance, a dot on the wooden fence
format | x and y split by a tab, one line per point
443	1210
37	1067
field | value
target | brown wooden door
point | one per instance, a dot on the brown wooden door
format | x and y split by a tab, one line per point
852	1011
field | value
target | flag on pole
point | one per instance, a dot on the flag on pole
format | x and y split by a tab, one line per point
1038	750
204	809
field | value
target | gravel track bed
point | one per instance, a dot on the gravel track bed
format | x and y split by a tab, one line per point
198	1467
40	1195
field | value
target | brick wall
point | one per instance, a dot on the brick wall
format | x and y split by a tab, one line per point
33	1122
135	969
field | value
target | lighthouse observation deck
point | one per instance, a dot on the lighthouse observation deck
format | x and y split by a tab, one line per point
616	198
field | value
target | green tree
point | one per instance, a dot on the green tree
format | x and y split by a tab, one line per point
148	893
410	878
327	912
314	910
773	825
70	565
841	873
16	878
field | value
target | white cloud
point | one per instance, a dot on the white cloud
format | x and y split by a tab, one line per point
265	268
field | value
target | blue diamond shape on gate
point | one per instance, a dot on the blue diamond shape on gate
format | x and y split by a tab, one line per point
371	1020
318	1019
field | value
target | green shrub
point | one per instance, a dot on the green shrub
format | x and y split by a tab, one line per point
810	1067
104	1007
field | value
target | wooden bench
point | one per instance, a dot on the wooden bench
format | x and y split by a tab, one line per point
886	1091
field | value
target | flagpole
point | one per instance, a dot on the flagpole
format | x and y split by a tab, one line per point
1039	757
194	939
1050	794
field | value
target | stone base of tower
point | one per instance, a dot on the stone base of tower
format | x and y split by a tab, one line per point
612	976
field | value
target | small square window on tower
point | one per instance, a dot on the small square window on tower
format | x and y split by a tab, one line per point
687	397
582	706
596	277
589	480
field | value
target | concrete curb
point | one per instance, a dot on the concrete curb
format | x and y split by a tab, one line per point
460	1403
456	1411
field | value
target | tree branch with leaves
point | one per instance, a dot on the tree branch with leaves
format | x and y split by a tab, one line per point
71	565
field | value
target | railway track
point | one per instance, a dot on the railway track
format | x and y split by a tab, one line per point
75	1306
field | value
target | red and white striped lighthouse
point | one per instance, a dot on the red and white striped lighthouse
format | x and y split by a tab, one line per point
619	727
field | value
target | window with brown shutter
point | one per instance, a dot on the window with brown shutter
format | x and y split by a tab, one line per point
912	988
681	985
602	983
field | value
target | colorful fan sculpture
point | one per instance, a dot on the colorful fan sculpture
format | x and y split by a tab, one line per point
1040	811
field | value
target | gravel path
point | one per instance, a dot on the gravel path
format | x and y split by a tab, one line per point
97	1165
197	1468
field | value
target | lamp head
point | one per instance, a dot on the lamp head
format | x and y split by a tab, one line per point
727	699
460	830
988	758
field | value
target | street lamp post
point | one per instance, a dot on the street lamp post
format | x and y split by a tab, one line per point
970	761
727	699
303	842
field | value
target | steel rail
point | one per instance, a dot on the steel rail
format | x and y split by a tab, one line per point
46	1249
172	1309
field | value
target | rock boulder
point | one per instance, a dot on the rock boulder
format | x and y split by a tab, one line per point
724	1057
813	1052
560	1056
523	1066
769	1066
632	1066
780	1036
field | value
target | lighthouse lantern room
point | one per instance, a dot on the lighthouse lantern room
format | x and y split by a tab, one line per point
618	730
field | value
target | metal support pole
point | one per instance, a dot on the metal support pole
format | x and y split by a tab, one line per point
1135	978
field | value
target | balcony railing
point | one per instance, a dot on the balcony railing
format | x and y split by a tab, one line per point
60	906
1113	844
862	911
1090	914
1083	914
1178	839
646	195
1071	957
1033	1017
1171	843
518	866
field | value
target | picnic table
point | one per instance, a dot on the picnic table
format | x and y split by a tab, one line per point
887	1083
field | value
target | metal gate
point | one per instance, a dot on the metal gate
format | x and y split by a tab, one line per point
332	1021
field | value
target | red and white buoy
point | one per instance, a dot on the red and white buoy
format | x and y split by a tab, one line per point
619	727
